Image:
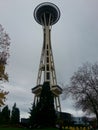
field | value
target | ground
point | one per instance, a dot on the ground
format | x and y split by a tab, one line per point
26	129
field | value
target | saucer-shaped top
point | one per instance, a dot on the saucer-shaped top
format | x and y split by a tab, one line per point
46	13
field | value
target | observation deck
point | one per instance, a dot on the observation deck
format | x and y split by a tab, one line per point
46	13
55	89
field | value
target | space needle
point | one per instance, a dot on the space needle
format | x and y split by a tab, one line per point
47	14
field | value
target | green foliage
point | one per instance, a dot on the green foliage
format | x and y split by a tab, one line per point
43	113
47	112
26	129
15	116
5	115
13	128
9	117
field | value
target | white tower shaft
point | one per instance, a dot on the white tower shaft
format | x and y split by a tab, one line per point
46	67
47	14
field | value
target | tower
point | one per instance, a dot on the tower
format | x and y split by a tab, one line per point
47	14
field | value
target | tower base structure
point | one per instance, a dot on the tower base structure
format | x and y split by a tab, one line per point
56	91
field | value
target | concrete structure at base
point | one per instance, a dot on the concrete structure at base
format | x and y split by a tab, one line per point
47	14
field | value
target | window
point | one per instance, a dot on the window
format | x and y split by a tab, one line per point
47	59
48	75
48	67
47	52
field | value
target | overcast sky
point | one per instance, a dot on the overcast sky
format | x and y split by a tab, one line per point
74	42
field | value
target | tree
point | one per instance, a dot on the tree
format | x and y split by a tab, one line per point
47	111
0	117
83	88
34	115
4	54
2	97
5	115
15	115
43	113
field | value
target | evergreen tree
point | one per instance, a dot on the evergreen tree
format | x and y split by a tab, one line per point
47	111
5	115
0	117
34	115
15	116
43	114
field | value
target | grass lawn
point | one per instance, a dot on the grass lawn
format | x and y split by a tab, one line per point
12	129
27	129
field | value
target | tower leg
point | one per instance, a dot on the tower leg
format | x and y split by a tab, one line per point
57	103
36	100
